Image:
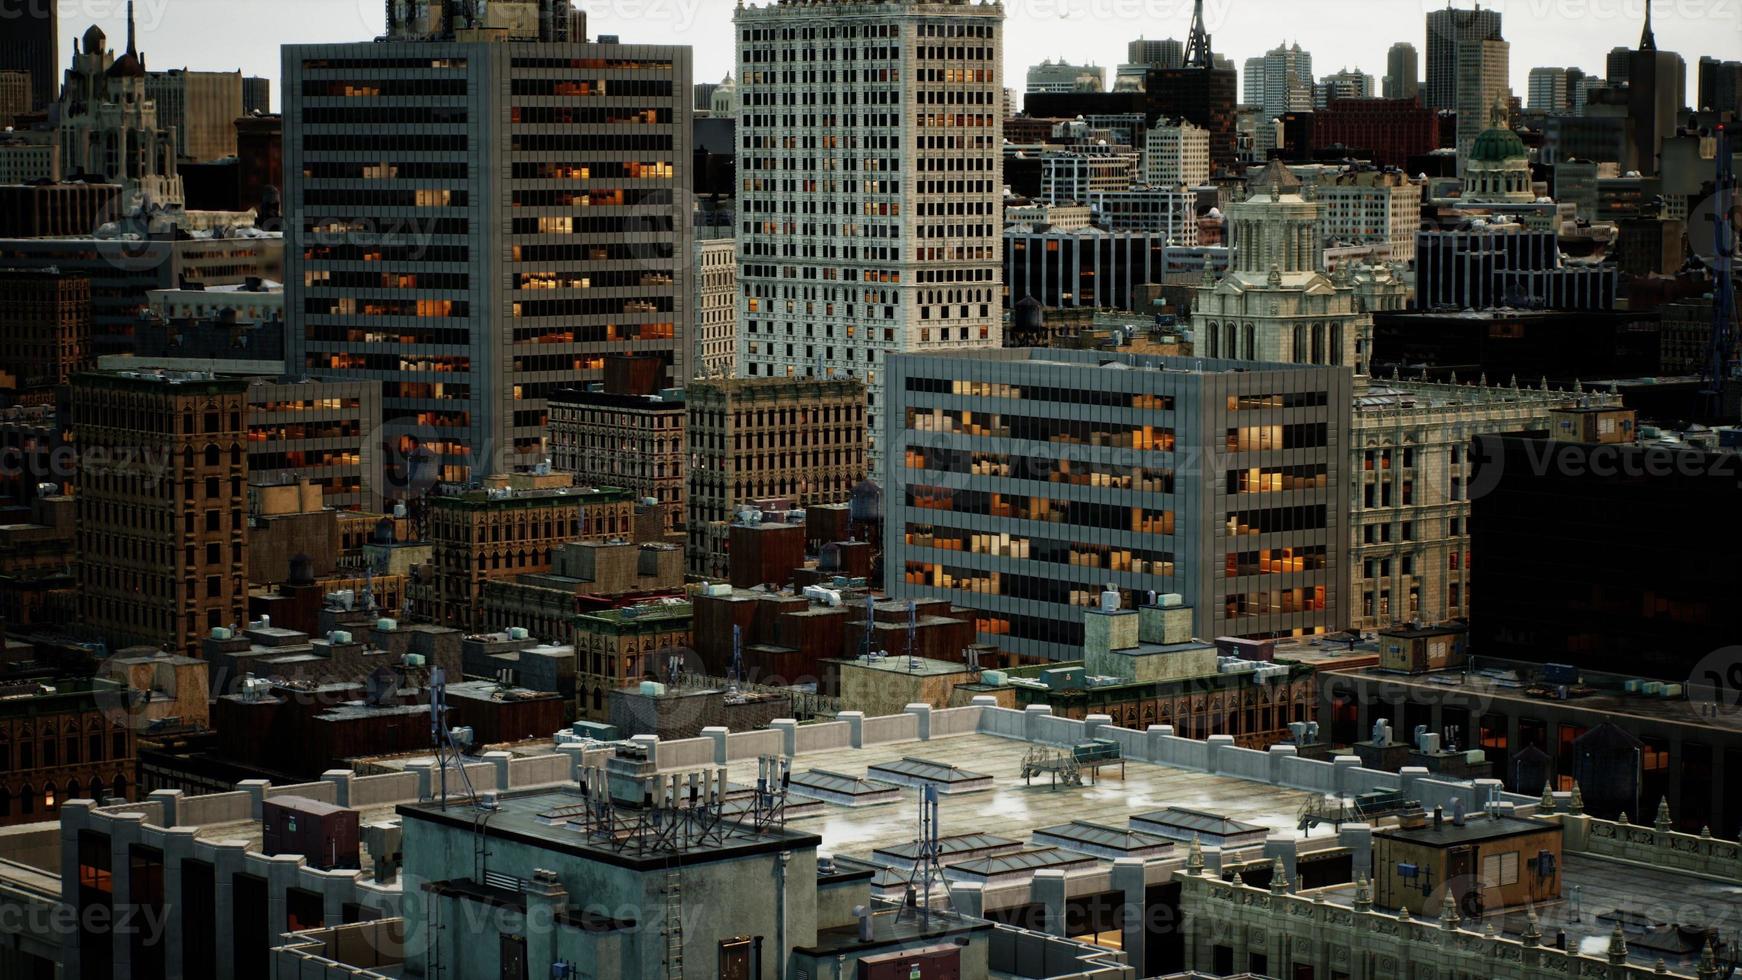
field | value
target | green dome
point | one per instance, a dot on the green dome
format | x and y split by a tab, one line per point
1498	146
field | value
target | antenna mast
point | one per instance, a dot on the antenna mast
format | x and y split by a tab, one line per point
1198	46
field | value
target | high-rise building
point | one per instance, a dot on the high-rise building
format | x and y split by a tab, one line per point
31	42
1548	90
1170	53
1402	72
256	95
1483	88
1720	85
162	506
714	307
1656	92
521	196
202	106
1446	30
795	439
973	435
108	124
872	220
1288	80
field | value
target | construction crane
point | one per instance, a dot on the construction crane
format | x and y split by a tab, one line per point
1723	367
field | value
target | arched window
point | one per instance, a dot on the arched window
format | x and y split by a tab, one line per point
5	803
26	800
212	454
120	789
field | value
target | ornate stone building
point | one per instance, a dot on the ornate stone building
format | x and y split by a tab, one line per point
1409	502
62	742
615	648
110	126
1497	171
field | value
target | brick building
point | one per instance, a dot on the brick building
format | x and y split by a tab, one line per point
162	505
799	438
46	320
512	527
1393	130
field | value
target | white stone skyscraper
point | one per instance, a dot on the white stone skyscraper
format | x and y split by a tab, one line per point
869	162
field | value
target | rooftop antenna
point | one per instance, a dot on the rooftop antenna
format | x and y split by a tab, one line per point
1198	45
867	652
736	674
446	745
912	635
927	857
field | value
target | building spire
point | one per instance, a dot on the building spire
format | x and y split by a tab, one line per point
1647	39
1198	45
130	46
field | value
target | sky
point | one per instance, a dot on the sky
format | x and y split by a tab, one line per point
246	34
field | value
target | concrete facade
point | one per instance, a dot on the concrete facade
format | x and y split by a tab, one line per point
1026	482
510	267
904	256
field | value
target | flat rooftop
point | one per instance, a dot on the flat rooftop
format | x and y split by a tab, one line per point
1014	811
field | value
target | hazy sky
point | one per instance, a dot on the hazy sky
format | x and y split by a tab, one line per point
246	34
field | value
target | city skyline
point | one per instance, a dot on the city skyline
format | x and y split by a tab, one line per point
1340	33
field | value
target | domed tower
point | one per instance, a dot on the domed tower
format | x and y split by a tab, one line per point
1498	169
1275	304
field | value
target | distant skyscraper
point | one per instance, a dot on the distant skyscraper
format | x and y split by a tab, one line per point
1617	63
1720	85
878	214
1288	80
256	95
1446	29
31	42
524	221
1656	92
1204	90
1548	90
1345	84
1170	53
1402	72
1482	89
1252	82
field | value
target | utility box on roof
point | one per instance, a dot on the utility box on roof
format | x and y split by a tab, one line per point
324	834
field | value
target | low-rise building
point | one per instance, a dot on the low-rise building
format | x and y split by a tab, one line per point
512	527
624	438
